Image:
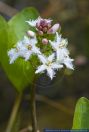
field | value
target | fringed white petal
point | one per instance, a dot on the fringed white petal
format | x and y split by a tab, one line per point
36	50
51	57
42	58
68	63
32	22
50	73
40	69
13	55
57	66
27	55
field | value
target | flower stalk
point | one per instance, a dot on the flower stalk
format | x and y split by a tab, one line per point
33	106
14	113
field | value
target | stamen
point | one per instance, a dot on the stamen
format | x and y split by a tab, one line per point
29	47
49	63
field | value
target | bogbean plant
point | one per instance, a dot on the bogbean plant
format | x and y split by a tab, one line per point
46	44
31	46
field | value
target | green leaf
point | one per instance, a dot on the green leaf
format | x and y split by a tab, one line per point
3	34
20	73
81	115
18	24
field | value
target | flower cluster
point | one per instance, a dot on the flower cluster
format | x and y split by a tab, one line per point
46	44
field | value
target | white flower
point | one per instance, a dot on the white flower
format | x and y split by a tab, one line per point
14	53
24	48
29	47
48	64
59	45
62	53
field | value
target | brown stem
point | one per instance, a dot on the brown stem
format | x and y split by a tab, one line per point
7	10
33	107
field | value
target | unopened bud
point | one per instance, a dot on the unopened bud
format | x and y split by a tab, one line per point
53	29
30	33
45	29
44	41
40	33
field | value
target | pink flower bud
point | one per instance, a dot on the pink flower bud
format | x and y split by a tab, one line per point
53	29
44	41
30	33
40	32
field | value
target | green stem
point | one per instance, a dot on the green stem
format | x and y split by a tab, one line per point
14	113
33	107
